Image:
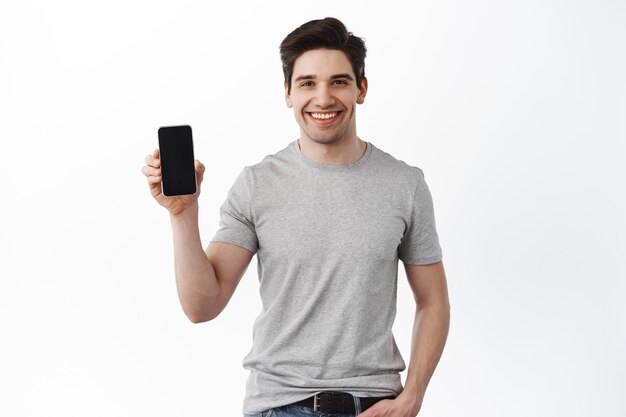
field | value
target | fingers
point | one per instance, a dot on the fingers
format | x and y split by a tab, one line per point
153	160
152	170
154	180
153	175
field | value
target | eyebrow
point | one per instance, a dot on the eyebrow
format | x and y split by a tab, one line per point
313	77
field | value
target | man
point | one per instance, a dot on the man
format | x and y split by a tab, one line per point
328	216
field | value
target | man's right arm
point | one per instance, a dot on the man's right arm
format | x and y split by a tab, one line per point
207	280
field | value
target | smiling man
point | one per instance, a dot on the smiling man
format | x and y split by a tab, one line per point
329	217
324	95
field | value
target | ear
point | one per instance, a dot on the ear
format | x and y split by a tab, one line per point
287	96
362	91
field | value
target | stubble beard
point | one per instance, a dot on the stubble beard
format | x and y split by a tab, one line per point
325	137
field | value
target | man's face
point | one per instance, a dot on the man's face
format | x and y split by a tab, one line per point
324	95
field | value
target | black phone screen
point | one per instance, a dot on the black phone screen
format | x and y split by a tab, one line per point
178	173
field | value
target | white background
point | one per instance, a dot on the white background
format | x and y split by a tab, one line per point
515	110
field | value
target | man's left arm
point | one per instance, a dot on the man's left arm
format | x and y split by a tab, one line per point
430	331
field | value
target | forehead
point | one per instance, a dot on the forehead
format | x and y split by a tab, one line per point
322	62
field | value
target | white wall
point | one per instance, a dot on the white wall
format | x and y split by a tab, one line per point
514	110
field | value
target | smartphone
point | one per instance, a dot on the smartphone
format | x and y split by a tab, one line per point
178	173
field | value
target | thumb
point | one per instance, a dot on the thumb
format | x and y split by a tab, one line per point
200	168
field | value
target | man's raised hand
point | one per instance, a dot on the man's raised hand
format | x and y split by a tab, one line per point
175	204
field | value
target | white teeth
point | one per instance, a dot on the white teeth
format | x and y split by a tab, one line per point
323	115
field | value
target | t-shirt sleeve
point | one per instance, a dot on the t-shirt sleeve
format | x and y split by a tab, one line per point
236	224
420	243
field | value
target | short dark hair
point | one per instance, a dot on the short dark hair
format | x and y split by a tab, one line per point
328	33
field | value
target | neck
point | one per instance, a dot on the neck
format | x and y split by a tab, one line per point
342	152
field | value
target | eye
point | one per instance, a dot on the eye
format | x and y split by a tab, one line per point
306	84
341	82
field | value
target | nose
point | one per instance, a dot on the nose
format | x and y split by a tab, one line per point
323	97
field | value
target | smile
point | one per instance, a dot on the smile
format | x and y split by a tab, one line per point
323	115
323	118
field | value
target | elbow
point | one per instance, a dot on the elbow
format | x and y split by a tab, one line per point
201	310
196	319
199	317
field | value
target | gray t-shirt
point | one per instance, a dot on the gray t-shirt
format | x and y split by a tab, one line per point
327	239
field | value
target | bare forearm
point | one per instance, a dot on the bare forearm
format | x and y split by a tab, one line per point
430	331
195	278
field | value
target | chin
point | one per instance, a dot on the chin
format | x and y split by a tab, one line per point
333	137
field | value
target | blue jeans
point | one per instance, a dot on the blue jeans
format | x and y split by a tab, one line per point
301	411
